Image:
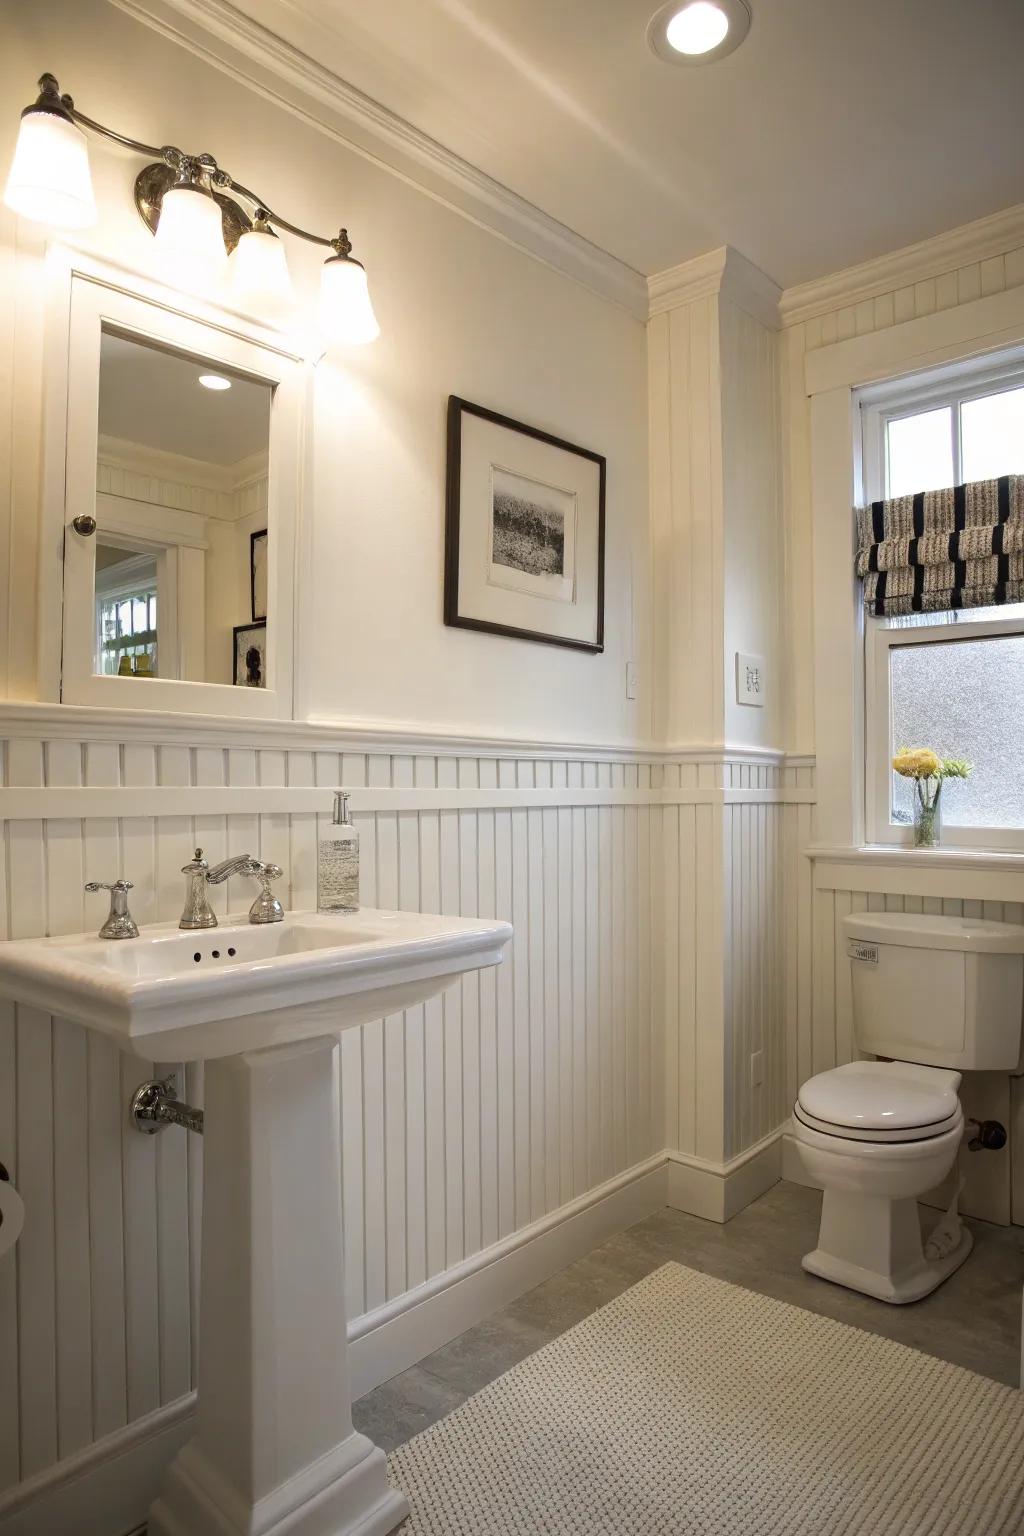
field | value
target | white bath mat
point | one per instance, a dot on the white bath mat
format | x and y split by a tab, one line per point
691	1407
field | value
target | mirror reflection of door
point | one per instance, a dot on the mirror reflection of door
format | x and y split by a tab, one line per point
181	491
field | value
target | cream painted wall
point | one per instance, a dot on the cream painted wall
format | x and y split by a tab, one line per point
819	1030
517	1100
752	545
911	296
461	311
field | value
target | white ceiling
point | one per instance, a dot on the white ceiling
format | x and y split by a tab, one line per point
152	397
839	130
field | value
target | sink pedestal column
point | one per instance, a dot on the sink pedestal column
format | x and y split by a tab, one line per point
274	1450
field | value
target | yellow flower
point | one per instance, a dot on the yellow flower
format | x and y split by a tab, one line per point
917	763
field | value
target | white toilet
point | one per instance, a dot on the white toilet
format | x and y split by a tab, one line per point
936	996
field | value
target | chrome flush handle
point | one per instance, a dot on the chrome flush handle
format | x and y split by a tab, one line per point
119	924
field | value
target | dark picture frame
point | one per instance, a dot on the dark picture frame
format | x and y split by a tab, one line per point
261	534
456	514
244	639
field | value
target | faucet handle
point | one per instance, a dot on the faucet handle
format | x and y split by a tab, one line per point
119	924
266	908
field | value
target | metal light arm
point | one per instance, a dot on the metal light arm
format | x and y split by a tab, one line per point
190	169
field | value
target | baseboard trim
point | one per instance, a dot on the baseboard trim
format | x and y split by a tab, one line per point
718	1191
106	1489
395	1336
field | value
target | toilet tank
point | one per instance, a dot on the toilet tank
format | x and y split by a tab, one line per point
944	991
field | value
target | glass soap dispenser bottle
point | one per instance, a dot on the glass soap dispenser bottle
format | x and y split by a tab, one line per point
337	862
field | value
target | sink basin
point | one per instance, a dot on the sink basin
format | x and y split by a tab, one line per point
175	996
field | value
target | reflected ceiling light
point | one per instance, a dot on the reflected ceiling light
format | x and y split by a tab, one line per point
214	381
193	207
698	32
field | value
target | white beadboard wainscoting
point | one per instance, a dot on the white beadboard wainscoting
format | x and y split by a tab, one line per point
490	1135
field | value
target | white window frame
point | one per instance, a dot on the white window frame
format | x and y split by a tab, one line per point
879	406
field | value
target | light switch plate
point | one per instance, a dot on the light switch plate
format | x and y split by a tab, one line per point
750	679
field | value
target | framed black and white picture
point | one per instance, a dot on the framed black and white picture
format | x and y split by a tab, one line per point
258	573
524	539
251	655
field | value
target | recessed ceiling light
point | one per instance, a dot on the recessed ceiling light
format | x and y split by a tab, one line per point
697	28
698	32
214	381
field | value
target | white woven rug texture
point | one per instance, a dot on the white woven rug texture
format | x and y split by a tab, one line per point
692	1407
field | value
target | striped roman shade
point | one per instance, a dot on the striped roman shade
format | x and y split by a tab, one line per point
958	548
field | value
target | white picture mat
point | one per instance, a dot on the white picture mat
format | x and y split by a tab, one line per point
485	446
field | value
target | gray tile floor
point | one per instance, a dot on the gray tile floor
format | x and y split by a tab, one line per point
973	1320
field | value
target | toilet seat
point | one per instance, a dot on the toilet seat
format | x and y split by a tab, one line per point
881	1101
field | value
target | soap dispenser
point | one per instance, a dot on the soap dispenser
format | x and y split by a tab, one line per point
337	862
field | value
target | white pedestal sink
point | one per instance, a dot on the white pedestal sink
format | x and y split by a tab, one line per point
274	1450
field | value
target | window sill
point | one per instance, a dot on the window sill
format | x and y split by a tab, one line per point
1007	861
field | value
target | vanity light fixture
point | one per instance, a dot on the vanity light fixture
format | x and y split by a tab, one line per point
193	207
698	31
214	381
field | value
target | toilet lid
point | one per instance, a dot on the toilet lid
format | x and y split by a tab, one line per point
882	1099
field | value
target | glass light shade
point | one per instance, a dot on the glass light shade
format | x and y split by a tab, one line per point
346	314
259	271
49	180
190	238
697	28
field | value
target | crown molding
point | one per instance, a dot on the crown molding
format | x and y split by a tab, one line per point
725	272
221	35
985	238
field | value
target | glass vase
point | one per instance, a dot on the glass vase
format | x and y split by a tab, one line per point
927	823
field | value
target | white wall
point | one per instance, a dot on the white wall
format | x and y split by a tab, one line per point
521	1093
461	312
752	549
900	308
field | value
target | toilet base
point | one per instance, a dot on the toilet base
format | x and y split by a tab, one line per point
874	1245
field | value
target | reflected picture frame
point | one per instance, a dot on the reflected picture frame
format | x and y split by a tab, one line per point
249	646
258	548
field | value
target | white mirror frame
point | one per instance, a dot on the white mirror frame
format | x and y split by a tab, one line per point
83	294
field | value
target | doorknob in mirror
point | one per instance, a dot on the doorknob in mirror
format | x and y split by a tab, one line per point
85	524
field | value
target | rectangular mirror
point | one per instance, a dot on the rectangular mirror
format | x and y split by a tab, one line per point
180	478
181	509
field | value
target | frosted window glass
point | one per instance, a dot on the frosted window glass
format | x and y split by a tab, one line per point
992	435
963	699
919	451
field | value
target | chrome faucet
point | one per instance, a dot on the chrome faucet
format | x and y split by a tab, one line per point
119	924
266	908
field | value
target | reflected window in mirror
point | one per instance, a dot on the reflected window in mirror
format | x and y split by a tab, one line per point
181	491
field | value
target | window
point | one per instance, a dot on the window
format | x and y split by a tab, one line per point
953	681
